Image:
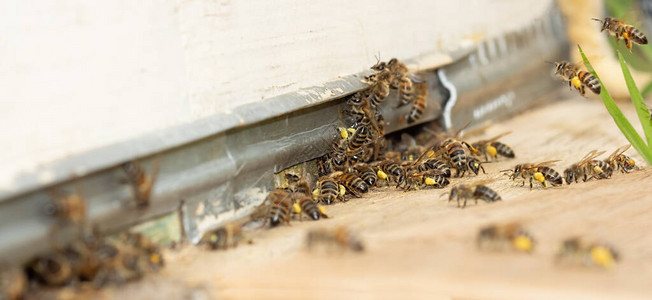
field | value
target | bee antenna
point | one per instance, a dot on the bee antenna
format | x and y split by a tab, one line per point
549	62
507	170
599	20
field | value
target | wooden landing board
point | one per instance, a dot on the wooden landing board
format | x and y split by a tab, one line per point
421	246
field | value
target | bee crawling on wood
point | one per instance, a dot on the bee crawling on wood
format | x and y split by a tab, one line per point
491	148
619	161
415	180
353	184
505	237
577	251
141	181
540	172
227	236
475	191
340	237
328	190
588	168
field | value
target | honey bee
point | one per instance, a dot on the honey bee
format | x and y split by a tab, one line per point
52	269
353	184
296	184
328	190
391	171
69	209
577	77
380	84
505	237
587	168
476	191
541	172
13	282
121	264
475	165
82	254
339	237
578	251
435	164
619	161
223	237
151	252
621	30
366	173
361	109
491	148
420	103
419	179
280	207
141	182
401	81
358	139
311	209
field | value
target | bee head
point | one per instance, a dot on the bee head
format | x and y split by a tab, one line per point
379	66
569	175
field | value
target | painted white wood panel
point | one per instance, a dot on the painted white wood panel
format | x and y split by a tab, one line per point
78	75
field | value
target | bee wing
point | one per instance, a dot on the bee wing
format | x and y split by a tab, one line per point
459	131
618	151
415	78
425	155
591	155
483	181
493	139
547	163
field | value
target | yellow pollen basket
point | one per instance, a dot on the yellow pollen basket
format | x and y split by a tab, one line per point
315	192
430	181
431	153
576	82
410	157
321	209
213	238
492	150
381	174
155	258
297	208
539	177
597	169
351	131
523	243
601	256
342	190
631	162
343	133
625	35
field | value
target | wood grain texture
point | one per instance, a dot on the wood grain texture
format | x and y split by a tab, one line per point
420	246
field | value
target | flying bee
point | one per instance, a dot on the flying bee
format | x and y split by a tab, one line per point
619	161
621	30
366	173
401	80
420	103
491	148
476	191
505	237
328	190
541	172
353	184
339	237
419	179
587	168
13	282
577	251
576	77
310	208
141	182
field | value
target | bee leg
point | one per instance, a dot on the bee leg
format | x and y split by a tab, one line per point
481	167
530	183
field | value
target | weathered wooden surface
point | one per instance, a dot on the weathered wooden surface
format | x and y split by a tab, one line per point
421	246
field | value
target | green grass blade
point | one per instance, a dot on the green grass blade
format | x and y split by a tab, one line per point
641	109
618	117
647	89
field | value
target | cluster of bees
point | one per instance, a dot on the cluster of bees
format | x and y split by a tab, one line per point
574	74
573	251
91	259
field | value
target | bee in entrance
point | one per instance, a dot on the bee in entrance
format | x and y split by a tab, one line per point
141	182
475	191
619	29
